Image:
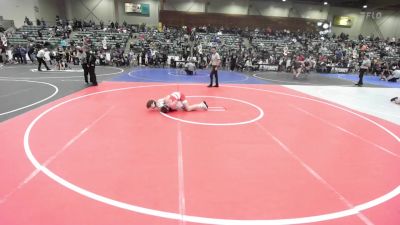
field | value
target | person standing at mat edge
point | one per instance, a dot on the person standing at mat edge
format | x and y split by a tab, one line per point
91	65
214	62
365	65
40	58
83	61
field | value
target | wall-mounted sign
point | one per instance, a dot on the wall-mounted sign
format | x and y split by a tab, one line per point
343	21
142	9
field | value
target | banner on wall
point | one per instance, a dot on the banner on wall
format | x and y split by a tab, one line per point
343	21
141	9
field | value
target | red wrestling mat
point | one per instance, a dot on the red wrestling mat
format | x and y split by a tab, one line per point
261	155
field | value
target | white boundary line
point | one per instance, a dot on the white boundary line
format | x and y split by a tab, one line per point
344	130
58	71
34	78
196	219
216	109
323	102
260	115
53	157
314	174
35	103
20	66
181	180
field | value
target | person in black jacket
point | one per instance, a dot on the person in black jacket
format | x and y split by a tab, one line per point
91	64
82	58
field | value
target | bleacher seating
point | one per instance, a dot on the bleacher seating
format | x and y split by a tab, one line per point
26	33
96	37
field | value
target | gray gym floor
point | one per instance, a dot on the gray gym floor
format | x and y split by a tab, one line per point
283	78
23	88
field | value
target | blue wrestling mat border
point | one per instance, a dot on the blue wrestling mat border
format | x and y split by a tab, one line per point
170	75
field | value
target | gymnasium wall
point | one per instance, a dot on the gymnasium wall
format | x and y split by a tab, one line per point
250	7
185	5
228	7
49	9
110	10
388	25
94	10
17	10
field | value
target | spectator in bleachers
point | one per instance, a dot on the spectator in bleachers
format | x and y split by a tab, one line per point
27	21
40	35
16	54
267	45
22	52
3	57
68	55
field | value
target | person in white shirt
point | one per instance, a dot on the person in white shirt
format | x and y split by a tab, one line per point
365	65
40	58
190	67
214	62
394	77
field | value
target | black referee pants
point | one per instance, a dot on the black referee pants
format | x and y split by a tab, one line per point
41	60
361	75
214	72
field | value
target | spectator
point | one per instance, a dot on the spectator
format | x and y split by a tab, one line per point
190	68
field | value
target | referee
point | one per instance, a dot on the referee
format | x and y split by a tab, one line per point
365	65
215	62
40	57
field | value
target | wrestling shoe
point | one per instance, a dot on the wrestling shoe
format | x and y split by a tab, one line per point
204	105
